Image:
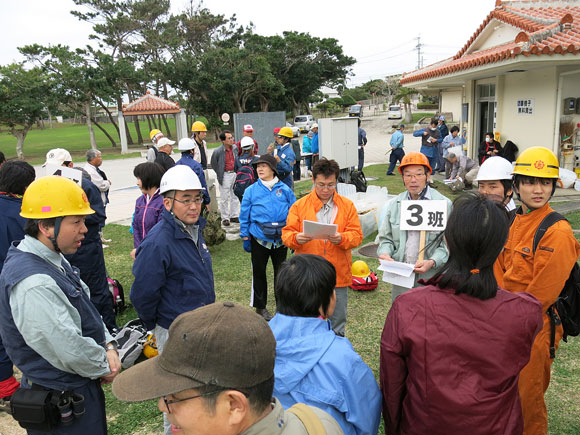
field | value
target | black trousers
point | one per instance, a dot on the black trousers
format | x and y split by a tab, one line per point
260	255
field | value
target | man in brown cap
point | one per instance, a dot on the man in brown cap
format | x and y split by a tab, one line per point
222	354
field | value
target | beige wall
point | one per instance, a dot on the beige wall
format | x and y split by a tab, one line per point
496	33
451	102
528	130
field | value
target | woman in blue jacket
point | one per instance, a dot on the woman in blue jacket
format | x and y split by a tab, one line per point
262	216
313	364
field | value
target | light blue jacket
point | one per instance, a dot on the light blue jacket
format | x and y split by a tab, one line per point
316	367
392	239
397	139
261	205
446	144
306	144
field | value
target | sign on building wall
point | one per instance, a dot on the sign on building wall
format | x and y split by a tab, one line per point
526	107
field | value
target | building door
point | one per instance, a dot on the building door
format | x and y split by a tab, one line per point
487	110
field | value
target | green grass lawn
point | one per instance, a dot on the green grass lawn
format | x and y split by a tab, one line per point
366	316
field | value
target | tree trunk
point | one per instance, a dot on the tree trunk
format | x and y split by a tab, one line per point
20	135
264	103
120	108
113	143
139	137
149	122
166	126
408	114
90	126
49	118
112	119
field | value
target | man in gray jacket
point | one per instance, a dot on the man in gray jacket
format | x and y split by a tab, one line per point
463	171
224	161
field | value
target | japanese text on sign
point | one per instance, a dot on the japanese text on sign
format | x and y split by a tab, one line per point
423	215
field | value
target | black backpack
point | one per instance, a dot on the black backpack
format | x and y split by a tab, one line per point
566	309
359	180
245	177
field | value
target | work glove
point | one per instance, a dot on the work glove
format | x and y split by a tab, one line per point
247	245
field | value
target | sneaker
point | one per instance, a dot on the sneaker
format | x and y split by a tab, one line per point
264	313
226	222
235	220
390	173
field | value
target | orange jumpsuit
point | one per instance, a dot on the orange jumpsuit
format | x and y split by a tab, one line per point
542	274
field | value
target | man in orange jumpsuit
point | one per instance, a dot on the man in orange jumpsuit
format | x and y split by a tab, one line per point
542	274
324	205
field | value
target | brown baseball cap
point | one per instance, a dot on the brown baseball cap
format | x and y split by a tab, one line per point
221	344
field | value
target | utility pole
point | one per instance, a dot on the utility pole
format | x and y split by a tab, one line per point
418	48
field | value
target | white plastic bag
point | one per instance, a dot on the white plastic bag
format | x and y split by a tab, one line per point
567	178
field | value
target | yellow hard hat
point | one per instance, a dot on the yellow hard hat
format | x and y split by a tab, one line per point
154	133
150	346
537	162
360	269
286	132
198	126
54	196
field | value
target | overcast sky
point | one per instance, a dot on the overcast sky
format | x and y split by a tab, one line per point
379	34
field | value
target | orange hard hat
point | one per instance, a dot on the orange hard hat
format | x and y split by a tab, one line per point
415	158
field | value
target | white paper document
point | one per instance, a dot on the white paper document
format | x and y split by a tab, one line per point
319	230
398	273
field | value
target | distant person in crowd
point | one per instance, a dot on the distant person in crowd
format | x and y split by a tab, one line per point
398	245
397	152
248	156
326	206
307	350
295	142
2	158
362	141
216	376
451	351
489	147
541	272
49	327
155	135
15	176
225	163
187	147
262	216
463	170
429	143
494	180
452	140
307	148
199	151
248	131
173	268
89	257
443	132
284	156
164	159
149	206
315	147
98	177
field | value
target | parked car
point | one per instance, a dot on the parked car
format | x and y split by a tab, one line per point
356	110
295	130
395	112
304	122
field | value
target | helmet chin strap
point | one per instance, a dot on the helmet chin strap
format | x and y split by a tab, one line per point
57	223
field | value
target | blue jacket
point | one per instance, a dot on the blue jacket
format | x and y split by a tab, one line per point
286	164
187	160
306	144
316	367
261	205
443	131
397	139
172	274
315	144
447	140
11	224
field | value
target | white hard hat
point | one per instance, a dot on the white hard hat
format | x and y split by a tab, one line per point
186	144
246	142
495	168
179	177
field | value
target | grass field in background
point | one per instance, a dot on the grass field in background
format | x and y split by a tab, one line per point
366	316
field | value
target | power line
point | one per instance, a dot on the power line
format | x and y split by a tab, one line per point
386	51
385	58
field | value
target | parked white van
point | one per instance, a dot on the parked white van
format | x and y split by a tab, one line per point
304	122
395	112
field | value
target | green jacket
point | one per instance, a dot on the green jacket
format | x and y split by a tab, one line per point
392	240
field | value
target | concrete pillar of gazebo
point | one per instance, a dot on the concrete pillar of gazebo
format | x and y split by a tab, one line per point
181	125
123	134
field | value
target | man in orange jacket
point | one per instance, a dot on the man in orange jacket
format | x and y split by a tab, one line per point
324	205
542	273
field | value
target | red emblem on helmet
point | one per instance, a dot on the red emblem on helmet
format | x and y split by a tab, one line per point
539	164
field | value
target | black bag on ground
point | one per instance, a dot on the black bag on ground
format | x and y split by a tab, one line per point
36	409
359	180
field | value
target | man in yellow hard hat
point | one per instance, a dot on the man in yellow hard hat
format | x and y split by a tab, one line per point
285	156
540	270
50	329
199	134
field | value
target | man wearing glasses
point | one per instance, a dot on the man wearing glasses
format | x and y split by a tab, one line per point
324	205
216	376
173	271
398	245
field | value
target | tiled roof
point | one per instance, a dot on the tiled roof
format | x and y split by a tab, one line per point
547	27
150	104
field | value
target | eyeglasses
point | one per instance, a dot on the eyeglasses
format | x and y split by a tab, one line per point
187	202
208	393
414	176
323	186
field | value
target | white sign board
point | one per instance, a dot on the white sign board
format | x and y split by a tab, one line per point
63	171
525	107
424	215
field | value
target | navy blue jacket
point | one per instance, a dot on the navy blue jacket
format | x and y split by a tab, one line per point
11	224
187	160
286	164
172	274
